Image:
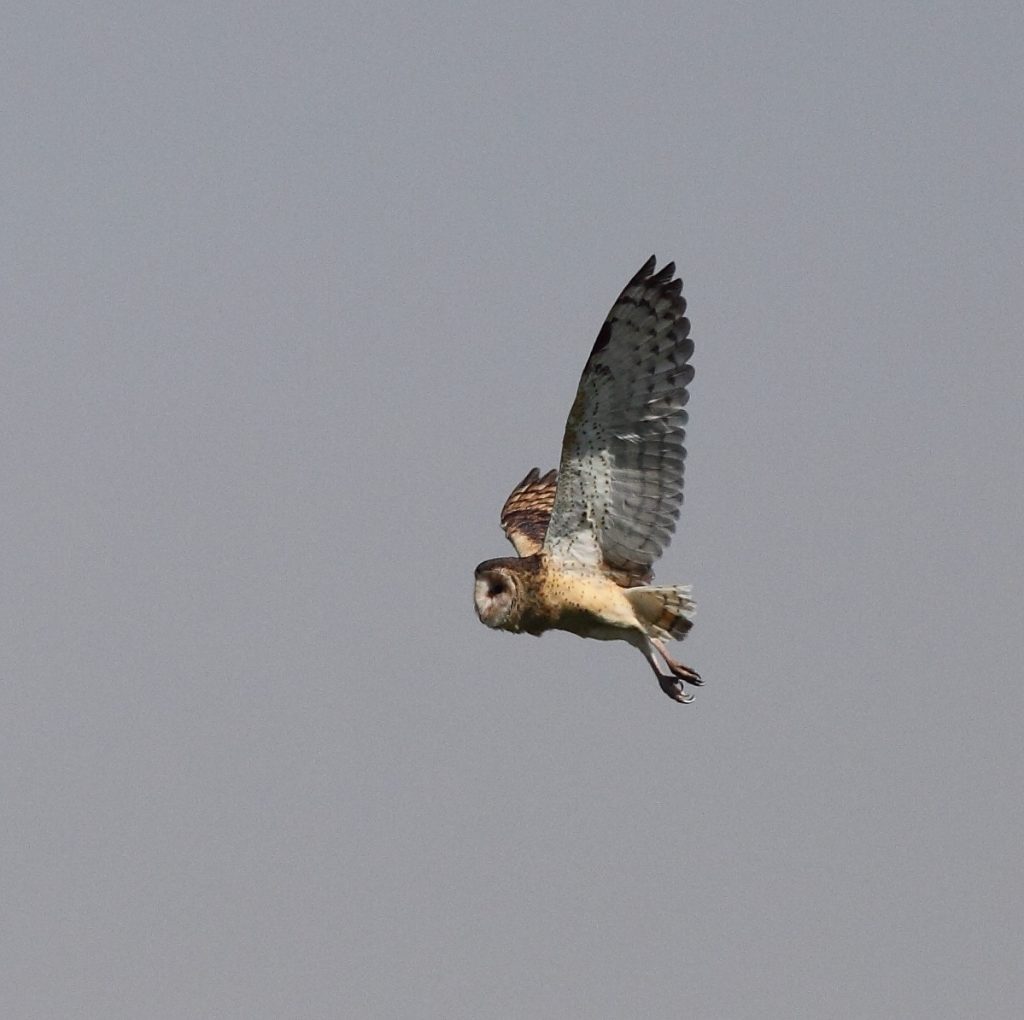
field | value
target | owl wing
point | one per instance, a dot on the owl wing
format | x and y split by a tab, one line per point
527	510
620	479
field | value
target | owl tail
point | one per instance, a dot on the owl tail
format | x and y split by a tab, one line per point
665	612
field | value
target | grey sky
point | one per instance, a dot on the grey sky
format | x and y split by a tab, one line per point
292	296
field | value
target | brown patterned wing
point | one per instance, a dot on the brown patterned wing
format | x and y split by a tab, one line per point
527	510
620	480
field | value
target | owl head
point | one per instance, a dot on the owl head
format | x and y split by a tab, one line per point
498	594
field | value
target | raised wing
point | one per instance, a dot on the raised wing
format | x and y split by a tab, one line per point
526	511
620	480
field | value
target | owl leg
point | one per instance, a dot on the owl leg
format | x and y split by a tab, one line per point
669	684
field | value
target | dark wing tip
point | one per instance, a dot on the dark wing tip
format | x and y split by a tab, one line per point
663	277
645	271
665	274
662	283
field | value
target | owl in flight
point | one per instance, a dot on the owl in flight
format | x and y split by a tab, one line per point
587	534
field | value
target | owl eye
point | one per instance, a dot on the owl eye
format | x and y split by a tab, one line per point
495	588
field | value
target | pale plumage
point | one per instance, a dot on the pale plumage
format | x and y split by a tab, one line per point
587	537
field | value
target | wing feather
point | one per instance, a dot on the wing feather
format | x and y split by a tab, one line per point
620	479
527	510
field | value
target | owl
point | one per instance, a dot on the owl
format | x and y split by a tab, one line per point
587	535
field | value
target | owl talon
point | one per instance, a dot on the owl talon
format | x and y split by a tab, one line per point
674	689
691	676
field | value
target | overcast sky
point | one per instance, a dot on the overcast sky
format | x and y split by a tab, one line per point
292	296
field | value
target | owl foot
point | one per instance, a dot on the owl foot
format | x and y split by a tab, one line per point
674	689
691	676
670	683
